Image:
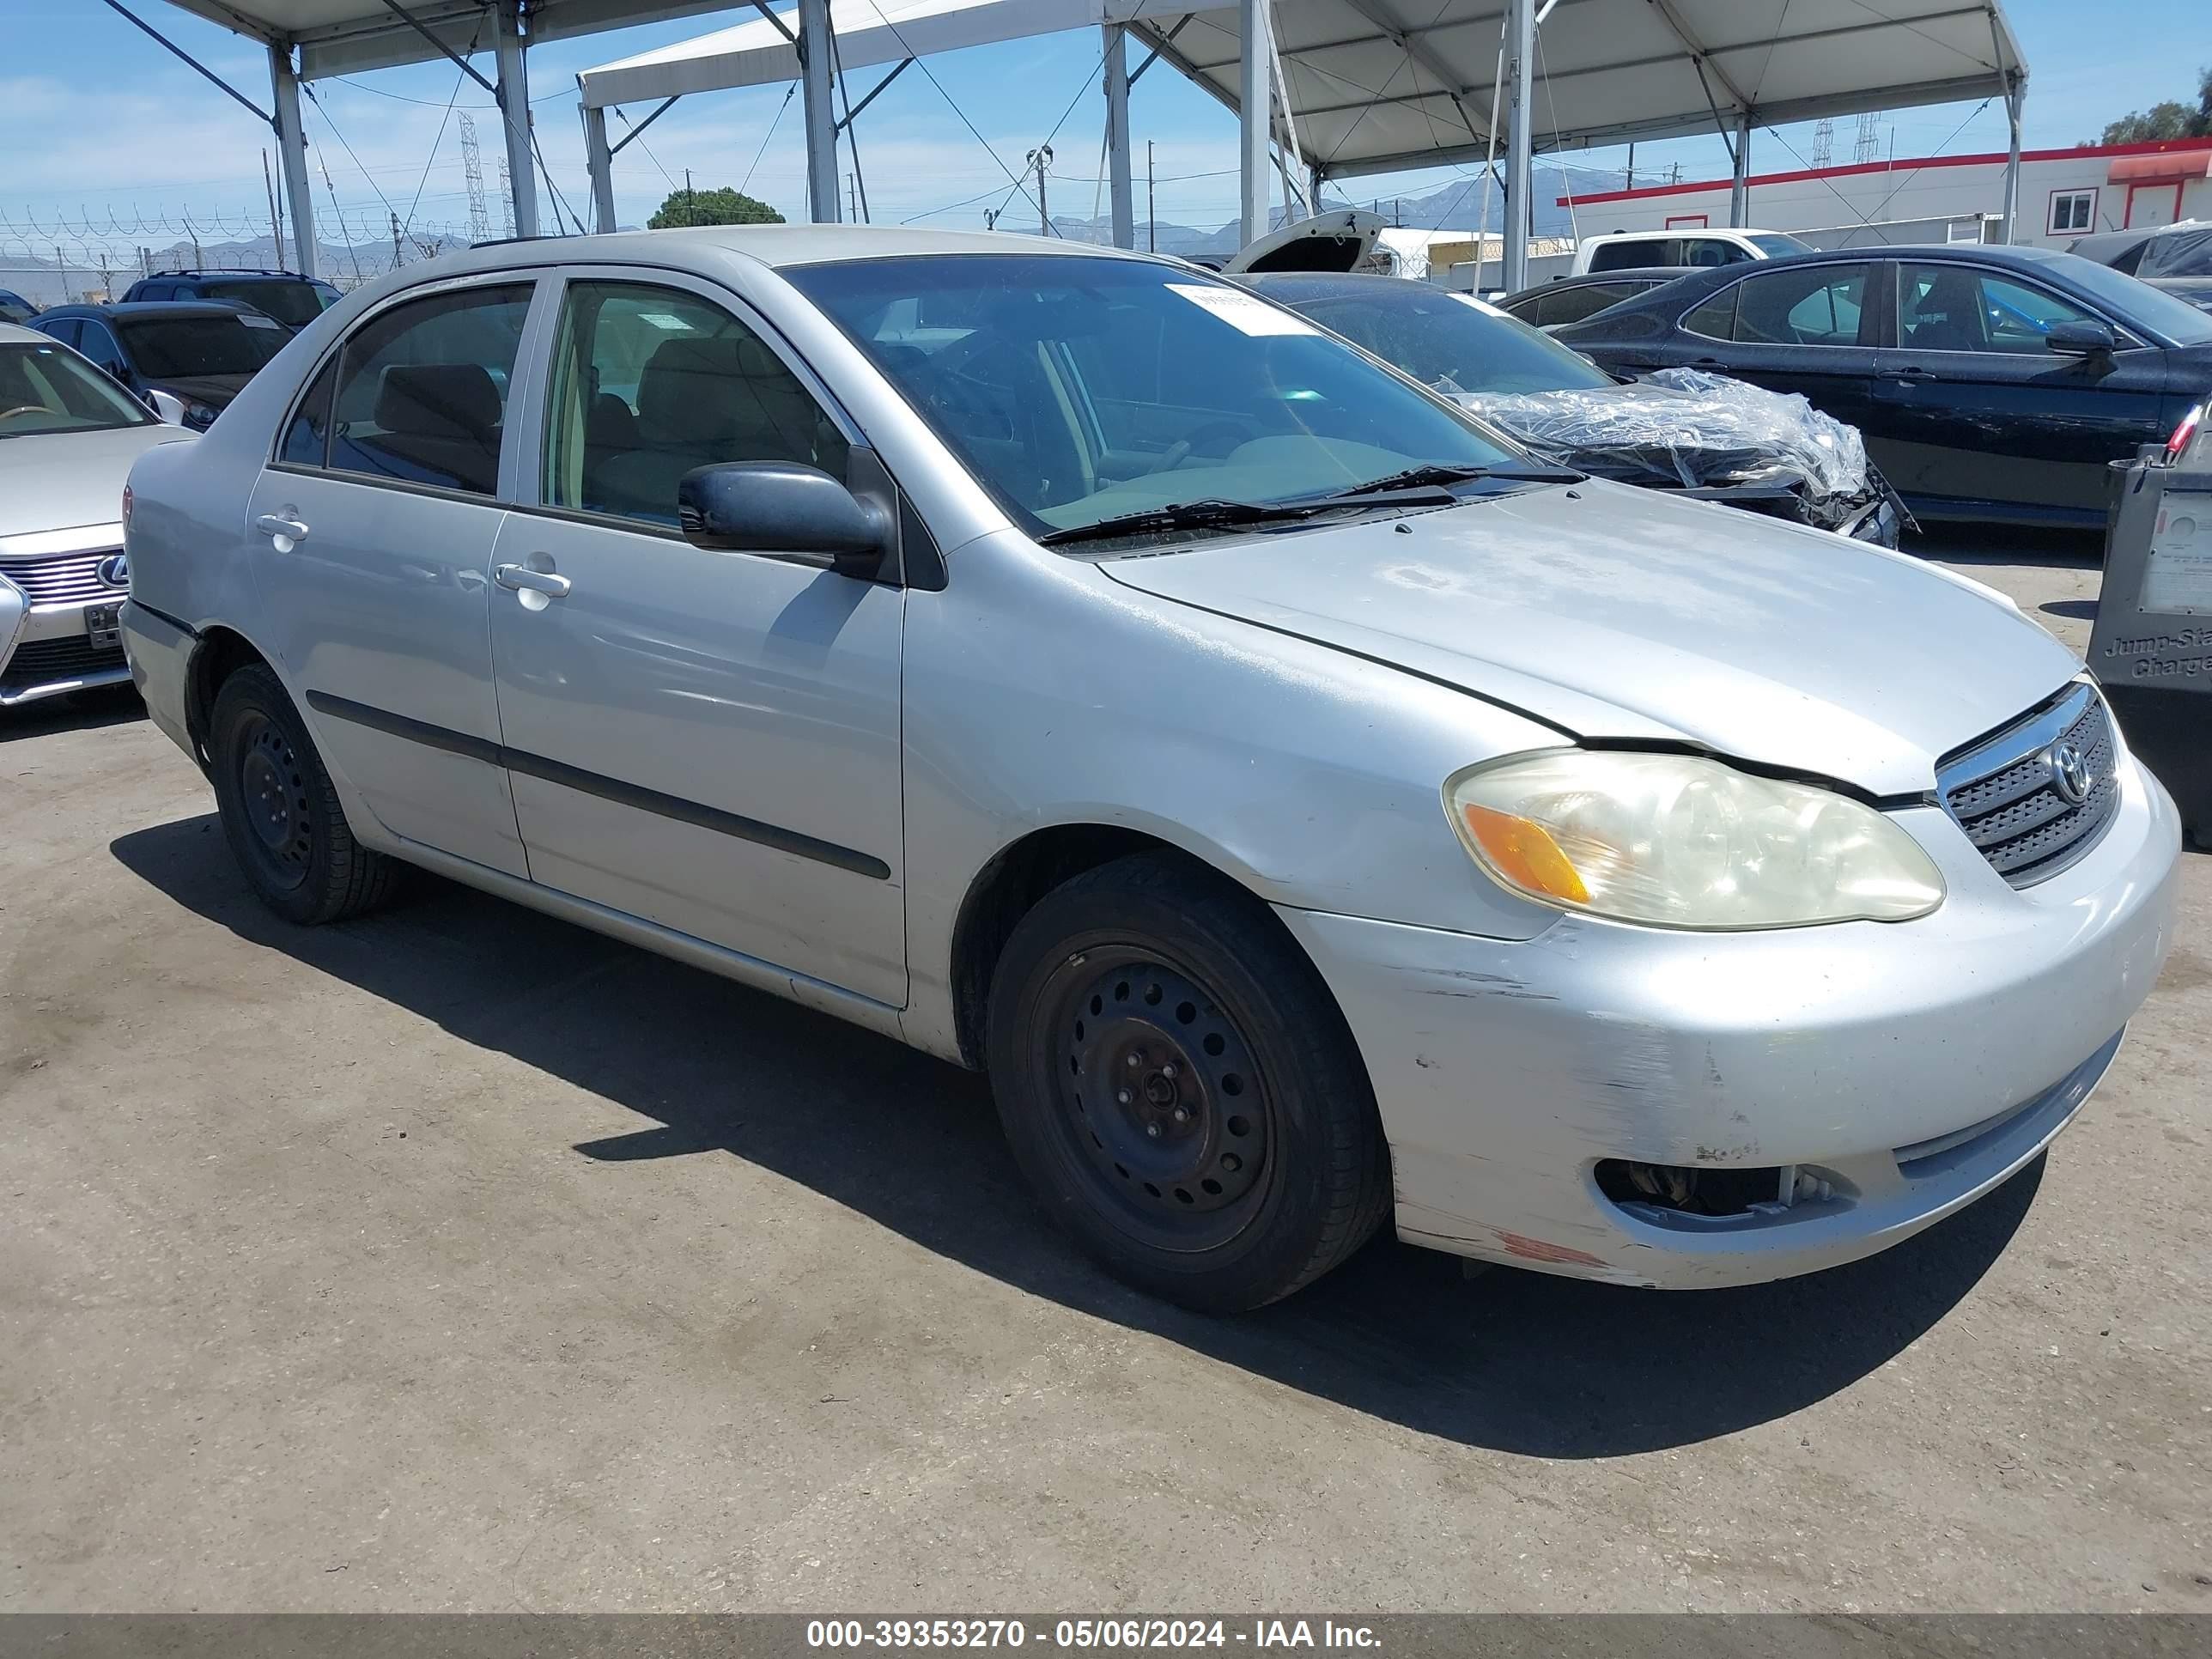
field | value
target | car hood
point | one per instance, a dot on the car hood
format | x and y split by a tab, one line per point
60	480
1611	612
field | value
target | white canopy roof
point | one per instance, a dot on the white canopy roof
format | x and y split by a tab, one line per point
1376	85
345	37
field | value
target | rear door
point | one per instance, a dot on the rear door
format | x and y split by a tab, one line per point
1801	328
1973	410
371	532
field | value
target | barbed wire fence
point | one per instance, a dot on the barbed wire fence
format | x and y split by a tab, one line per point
55	257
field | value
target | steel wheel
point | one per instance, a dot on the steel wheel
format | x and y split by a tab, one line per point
1164	1111
272	787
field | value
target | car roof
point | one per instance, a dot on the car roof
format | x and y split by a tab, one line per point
144	308
16	334
227	277
779	246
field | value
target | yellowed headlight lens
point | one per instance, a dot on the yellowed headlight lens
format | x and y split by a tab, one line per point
1523	852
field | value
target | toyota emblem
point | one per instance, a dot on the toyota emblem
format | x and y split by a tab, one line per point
2069	773
115	570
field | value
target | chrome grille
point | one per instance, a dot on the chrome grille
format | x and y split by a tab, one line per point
2008	795
42	662
73	578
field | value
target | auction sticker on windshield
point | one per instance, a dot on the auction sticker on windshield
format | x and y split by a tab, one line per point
1247	312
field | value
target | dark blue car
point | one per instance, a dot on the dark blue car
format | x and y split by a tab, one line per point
1991	384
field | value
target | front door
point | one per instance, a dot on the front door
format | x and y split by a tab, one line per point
1972	408
706	740
370	534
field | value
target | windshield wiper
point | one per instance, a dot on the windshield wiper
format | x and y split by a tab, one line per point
1208	515
1434	475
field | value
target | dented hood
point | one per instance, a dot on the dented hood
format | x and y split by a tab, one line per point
1615	612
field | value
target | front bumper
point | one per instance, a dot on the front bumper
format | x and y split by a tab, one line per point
45	651
1911	1066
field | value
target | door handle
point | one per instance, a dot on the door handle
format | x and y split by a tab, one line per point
1911	376
521	579
283	526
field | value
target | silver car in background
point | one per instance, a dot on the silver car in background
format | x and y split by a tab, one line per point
1308	808
68	436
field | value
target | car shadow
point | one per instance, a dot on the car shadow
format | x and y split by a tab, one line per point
1511	1360
77	711
2008	545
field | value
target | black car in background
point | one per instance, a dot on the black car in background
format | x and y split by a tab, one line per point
1990	383
187	360
1571	299
292	299
15	308
2175	258
1707	437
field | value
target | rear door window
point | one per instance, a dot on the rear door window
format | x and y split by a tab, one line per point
1628	256
1801	305
422	389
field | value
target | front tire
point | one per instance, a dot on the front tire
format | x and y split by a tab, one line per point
1180	1087
280	810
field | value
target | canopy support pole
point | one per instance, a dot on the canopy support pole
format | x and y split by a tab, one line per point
823	207
1254	99
513	94
1117	136
2015	94
1740	190
1520	154
601	161
292	157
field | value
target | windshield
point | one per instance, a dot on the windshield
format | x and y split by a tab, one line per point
49	388
179	348
293	304
1775	246
1452	341
1079	389
2137	303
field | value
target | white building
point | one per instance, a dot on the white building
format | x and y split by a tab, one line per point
2063	193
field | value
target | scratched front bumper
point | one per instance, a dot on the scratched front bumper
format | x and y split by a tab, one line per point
1506	1070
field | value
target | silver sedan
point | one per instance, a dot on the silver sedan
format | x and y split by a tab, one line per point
68	436
1309	810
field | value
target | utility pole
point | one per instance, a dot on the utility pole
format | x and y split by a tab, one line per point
62	266
690	200
276	219
395	242
1152	214
472	176
1041	158
1632	167
852	210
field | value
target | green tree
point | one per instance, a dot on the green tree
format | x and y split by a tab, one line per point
2169	119
712	207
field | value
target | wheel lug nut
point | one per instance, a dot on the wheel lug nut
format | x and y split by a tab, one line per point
1122	1096
1168	1071
1153	1130
1182	1115
1135	1060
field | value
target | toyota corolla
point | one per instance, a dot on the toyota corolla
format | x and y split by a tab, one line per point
1309	810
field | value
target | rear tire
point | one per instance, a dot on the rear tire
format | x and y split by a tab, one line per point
1181	1088
280	812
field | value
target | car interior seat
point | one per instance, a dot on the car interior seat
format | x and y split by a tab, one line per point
437	423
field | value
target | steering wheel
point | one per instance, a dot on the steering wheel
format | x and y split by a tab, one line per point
24	409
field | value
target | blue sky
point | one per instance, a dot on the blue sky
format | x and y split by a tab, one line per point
98	123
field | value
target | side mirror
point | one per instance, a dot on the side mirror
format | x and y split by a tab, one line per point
2081	339
780	507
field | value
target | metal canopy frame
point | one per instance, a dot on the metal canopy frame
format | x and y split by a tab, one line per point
1360	86
312	39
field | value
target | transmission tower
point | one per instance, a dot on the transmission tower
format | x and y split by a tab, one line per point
1824	141
1868	143
506	201
472	170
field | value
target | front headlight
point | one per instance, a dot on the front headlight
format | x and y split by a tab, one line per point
1676	840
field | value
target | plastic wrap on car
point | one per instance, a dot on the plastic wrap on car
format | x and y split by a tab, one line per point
1707	432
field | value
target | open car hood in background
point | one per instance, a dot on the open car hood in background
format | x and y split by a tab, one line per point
1342	240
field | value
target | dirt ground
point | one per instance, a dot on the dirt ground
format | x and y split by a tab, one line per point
457	1259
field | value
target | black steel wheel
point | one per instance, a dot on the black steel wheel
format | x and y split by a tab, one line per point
281	813
1179	1086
